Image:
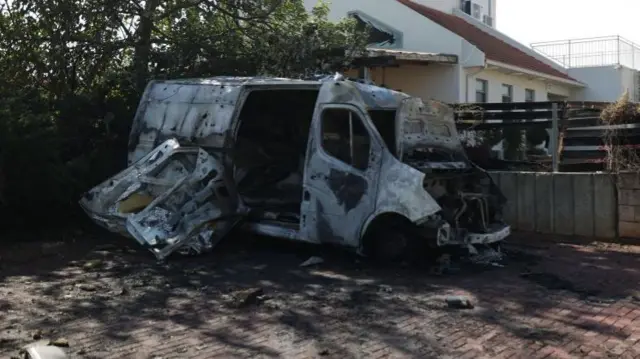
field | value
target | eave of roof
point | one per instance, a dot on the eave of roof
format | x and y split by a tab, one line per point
492	64
414	55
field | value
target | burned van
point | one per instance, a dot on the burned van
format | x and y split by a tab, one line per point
328	161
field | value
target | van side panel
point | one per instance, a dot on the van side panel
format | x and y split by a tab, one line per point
197	113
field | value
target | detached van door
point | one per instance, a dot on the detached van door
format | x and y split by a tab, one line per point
341	168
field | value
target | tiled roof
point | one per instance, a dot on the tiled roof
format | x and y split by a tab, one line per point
494	48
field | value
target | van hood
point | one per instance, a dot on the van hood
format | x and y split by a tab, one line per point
428	138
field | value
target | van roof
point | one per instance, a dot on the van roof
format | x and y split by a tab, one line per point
374	96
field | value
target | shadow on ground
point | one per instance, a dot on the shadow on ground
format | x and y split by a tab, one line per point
108	296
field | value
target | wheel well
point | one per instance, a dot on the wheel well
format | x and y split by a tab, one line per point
380	222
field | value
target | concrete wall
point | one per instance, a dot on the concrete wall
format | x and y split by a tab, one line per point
580	204
629	205
604	83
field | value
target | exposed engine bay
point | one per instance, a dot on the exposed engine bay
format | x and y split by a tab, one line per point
466	200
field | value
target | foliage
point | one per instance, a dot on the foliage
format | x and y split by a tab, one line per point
622	153
72	72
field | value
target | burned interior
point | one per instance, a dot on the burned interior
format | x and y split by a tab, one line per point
327	161
271	142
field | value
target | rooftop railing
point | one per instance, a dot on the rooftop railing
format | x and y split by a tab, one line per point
591	52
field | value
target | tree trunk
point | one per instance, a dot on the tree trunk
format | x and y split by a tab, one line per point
142	52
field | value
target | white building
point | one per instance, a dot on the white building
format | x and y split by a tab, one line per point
452	56
481	10
608	66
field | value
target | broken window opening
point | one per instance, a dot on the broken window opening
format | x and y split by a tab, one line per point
379	34
345	137
385	123
271	147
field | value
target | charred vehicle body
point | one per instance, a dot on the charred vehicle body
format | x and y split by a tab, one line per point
328	161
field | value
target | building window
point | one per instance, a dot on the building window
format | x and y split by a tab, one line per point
465	5
529	95
345	137
507	93
481	90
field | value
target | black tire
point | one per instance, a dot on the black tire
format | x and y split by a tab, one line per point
390	243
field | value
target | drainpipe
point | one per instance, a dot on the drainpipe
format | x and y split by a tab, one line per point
469	75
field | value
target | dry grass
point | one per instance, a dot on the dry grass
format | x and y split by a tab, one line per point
622	155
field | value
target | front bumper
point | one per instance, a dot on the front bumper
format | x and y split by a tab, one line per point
488	238
448	236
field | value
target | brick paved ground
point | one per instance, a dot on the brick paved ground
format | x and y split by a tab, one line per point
551	300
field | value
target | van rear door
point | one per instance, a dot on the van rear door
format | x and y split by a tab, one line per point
173	198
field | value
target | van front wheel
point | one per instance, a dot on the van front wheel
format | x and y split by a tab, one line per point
389	241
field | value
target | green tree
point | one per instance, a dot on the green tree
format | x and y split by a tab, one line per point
72	72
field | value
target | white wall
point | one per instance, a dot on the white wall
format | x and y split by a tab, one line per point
442	5
447	6
419	33
520	83
604	83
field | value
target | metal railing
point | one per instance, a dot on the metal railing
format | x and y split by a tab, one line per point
590	52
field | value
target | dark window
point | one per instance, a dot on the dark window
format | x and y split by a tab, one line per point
466	6
507	93
529	95
385	123
481	90
345	137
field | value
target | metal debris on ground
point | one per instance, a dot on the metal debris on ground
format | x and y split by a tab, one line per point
45	349
60	342
312	261
443	265
92	264
487	256
246	297
459	302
